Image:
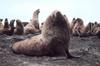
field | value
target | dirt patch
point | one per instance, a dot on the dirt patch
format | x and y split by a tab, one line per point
88	49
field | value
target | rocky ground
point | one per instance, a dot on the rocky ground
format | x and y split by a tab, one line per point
87	49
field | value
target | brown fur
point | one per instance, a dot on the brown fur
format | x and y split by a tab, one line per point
19	30
68	24
88	29
1	25
96	29
54	39
10	29
6	24
78	28
5	27
33	26
97	33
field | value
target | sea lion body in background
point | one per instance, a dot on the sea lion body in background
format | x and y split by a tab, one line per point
6	24
1	25
96	29
53	41
8	28
5	27
78	27
88	30
33	26
19	30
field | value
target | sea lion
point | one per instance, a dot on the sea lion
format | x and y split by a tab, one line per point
5	27
10	30
88	30
53	41
33	26
78	28
96	29
6	24
1	25
19	29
